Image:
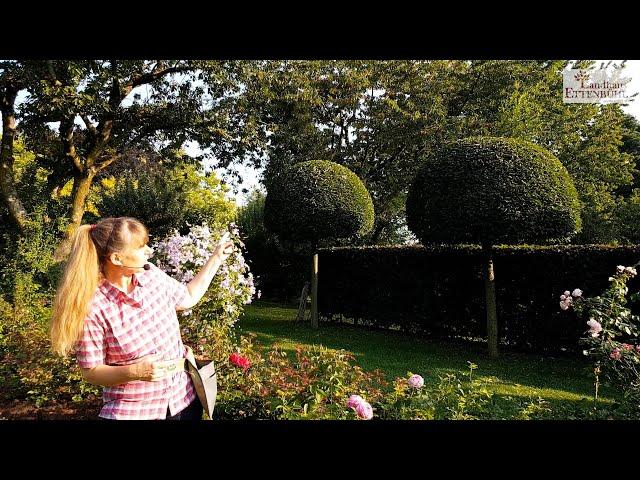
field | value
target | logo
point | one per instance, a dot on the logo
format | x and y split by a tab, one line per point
595	86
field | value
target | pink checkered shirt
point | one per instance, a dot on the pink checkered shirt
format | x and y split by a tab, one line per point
120	328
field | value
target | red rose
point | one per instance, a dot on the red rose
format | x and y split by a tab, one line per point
239	361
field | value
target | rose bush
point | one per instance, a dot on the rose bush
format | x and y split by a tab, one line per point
612	332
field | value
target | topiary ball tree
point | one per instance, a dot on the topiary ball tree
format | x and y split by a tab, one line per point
316	200
488	191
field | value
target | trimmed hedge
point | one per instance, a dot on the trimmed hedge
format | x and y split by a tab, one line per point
491	190
440	290
318	199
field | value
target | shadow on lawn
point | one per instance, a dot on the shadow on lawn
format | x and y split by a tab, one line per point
565	379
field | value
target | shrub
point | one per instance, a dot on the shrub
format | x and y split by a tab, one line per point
439	291
208	327
612	332
165	199
319	383
28	367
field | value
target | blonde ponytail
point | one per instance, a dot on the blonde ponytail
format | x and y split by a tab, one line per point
91	246
78	285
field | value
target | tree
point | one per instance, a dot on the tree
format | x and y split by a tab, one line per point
627	215
316	200
168	198
490	191
381	119
367	116
99	116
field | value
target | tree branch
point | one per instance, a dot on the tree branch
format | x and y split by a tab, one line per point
52	74
152	76
7	182
90	126
101	165
68	148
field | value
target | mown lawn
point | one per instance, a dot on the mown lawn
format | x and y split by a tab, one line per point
564	380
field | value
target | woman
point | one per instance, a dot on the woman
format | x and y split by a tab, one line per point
118	313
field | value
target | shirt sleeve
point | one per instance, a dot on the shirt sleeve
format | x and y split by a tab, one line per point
90	348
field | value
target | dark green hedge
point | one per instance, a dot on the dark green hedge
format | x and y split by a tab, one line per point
440	291
318	199
280	275
495	191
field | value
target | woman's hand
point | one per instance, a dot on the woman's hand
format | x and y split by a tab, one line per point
223	248
198	286
150	369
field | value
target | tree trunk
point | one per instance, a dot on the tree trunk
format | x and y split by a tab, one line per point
7	182
314	288
490	295
377	232
81	184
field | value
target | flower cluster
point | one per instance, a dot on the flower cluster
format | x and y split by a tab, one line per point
182	257
566	299
629	270
240	361
594	327
359	405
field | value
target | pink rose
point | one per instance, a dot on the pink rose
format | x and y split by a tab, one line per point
594	327
638	348
564	306
615	354
354	401
364	410
627	347
577	293
416	381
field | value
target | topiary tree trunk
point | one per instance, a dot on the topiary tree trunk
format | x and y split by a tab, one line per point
490	296
314	287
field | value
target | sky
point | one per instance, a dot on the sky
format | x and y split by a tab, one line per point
250	175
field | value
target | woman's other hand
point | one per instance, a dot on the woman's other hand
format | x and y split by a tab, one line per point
150	369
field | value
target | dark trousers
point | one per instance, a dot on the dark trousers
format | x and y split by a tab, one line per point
192	412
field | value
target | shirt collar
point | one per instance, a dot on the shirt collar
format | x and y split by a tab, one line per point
117	294
139	279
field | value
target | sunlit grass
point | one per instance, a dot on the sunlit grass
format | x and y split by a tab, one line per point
564	380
